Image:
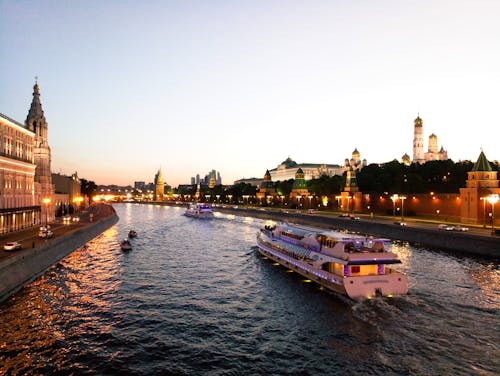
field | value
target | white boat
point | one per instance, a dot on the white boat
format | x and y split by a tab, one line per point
350	265
202	211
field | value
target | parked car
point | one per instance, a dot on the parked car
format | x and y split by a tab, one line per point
12	246
45	234
446	227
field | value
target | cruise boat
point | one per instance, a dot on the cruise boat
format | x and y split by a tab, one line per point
351	265
202	211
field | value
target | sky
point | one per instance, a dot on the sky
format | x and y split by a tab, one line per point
129	87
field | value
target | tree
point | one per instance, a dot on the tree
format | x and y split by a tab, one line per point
88	188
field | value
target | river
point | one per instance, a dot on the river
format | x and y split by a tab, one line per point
195	298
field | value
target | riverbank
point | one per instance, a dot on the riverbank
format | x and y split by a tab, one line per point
24	266
477	241
418	233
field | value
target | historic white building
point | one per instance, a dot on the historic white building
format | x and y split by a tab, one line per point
26	190
288	168
419	155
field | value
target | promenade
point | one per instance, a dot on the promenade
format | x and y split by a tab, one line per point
37	255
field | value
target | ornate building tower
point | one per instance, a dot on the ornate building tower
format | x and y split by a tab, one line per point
266	188
433	144
481	182
299	187
159	186
418	141
36	123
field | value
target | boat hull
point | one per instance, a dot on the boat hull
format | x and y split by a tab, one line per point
200	216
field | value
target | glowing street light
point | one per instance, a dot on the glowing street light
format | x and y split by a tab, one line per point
403	198
46	201
493	199
394	198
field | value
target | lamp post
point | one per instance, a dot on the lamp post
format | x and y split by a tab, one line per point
484	211
402	207
493	199
46	201
394	198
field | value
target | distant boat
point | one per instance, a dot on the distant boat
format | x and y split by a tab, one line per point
201	211
125	245
132	234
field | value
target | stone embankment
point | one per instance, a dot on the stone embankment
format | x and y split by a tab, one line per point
26	265
431	237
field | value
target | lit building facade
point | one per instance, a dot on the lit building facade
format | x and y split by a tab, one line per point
26	190
419	155
159	186
288	168
18	208
482	182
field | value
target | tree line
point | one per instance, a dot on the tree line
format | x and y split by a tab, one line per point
391	177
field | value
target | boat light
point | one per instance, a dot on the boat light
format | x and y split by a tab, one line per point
307	280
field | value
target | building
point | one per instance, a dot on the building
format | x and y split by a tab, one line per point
299	187
68	193
210	180
432	154
267	187
482	182
139	185
26	190
159	186
288	168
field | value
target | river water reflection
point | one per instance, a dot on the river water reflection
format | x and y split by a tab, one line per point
194	297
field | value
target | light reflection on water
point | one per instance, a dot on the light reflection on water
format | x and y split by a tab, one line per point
194	297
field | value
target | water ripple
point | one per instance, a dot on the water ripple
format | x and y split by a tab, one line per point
194	297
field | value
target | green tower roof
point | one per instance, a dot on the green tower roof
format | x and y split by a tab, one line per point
482	163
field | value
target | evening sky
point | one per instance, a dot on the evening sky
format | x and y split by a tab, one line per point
238	86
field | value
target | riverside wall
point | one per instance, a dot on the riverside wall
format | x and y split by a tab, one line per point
451	241
26	265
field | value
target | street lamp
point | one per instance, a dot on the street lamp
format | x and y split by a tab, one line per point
394	198
484	211
403	198
493	199
46	201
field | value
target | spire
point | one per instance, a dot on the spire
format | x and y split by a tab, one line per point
482	163
36	112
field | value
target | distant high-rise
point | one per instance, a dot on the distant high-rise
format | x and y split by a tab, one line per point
193	180
139	185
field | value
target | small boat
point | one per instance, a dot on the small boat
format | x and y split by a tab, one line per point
125	245
351	265
132	234
201	211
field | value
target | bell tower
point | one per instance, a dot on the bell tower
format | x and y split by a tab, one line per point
36	123
418	141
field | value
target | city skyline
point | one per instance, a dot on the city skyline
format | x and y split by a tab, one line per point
240	87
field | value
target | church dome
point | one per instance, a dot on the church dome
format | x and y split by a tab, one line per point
418	121
355	153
